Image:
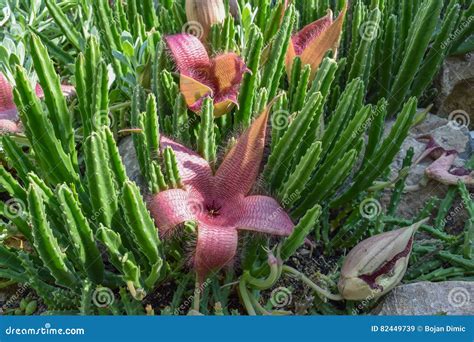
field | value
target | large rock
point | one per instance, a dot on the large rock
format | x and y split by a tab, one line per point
420	189
426	298
455	88
129	158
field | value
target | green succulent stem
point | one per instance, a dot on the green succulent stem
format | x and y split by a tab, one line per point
319	290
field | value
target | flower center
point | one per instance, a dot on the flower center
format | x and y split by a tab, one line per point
213	209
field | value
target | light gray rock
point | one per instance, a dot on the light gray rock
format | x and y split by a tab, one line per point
456	86
129	158
421	189
426	298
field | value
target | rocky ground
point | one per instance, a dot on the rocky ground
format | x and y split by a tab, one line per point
450	128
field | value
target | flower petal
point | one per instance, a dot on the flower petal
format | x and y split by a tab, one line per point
439	170
194	170
432	149
8	126
216	248
238	172
265	215
311	31
7	106
228	70
223	107
314	40
170	208
193	92
188	53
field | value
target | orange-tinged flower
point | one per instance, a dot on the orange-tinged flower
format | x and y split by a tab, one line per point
313	41
201	76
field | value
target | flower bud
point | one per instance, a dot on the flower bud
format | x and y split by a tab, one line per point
377	264
206	13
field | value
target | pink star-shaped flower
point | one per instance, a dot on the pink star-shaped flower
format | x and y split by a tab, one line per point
219	202
201	76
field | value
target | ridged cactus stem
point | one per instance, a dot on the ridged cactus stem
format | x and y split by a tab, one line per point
81	234
46	244
207	140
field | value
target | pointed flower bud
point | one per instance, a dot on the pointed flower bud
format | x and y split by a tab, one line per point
313	41
206	13
377	264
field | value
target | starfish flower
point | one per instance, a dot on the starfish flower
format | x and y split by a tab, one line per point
201	76
313	41
442	169
8	111
220	203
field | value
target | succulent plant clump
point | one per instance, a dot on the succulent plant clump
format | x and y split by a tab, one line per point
199	157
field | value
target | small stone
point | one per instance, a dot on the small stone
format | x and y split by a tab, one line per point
420	188
129	158
427	298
